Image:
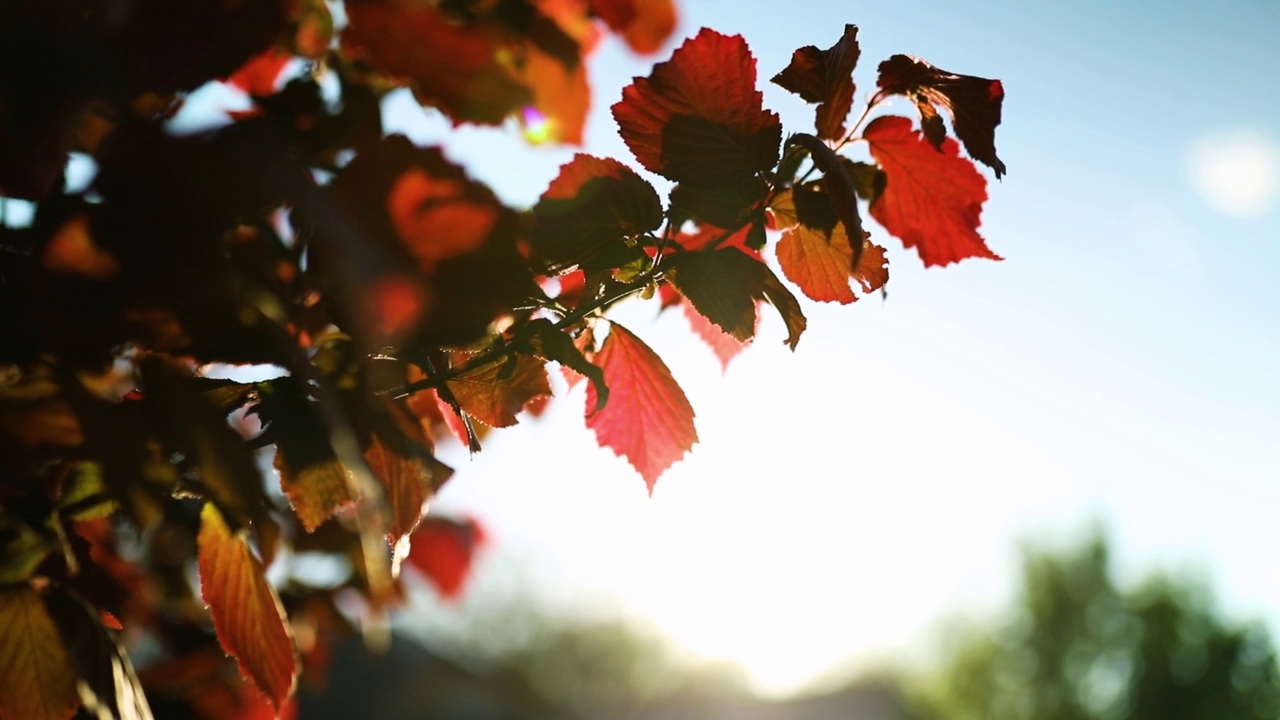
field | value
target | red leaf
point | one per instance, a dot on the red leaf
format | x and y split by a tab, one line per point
699	115
932	200
589	210
247	614
455	67
725	346
259	76
494	398
825	77
443	551
439	218
820	264
648	419
644	24
974	104
37	680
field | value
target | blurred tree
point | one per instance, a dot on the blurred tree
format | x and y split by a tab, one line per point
1076	647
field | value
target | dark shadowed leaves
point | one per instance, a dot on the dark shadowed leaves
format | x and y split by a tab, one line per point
825	77
589	211
724	286
932	200
648	419
108	685
37	680
495	393
974	104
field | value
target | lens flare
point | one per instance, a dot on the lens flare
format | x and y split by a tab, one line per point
538	128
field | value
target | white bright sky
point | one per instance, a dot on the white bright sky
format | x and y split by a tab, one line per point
1119	366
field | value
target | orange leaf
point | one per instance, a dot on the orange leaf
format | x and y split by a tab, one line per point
486	395
407	483
37	681
648	419
561	98
644	24
932	200
434	219
821	264
246	611
259	76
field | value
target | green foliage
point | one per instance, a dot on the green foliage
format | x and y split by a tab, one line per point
1077	647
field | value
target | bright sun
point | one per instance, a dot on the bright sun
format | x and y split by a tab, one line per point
1237	172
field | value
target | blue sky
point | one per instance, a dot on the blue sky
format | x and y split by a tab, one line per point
1119	366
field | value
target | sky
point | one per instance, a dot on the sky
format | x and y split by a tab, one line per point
1118	368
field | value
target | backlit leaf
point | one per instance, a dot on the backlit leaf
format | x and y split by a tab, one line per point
443	551
407	482
106	681
932	200
820	264
699	114
315	491
825	77
550	343
37	681
723	285
247	614
644	24
648	419
454	67
589	210
495	393
725	346
974	104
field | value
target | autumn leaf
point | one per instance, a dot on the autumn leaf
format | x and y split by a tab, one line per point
107	683
644	24
550	343
825	77
259	76
316	491
648	419
820	264
495	393
588	212
443	551
407	482
974	104
725	346
725	284
699	114
932	200
37	681
247	614
561	98
454	67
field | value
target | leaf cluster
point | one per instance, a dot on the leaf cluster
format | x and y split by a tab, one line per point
395	299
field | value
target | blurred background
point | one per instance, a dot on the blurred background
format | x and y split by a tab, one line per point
1042	488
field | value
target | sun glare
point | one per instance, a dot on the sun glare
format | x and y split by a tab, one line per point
538	128
1237	172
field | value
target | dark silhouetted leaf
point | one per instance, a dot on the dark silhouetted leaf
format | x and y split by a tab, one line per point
974	104
37	681
588	212
825	77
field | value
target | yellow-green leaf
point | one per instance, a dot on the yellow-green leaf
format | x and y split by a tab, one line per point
36	678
